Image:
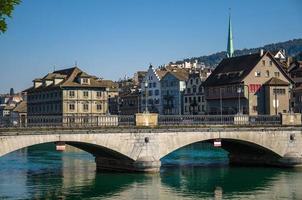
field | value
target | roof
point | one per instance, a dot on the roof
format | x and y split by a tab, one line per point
21	107
234	70
161	73
70	79
180	74
276	82
8	107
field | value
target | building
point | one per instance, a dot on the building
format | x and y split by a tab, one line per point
252	84
130	103
194	99
138	77
66	96
18	115
173	85
152	86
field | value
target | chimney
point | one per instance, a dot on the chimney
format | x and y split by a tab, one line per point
261	52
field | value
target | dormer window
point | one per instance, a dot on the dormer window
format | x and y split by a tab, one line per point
85	80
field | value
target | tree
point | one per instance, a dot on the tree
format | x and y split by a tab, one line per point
6	10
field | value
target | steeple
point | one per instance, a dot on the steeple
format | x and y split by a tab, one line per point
230	48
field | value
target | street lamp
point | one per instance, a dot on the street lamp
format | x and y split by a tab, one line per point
239	90
146	96
276	102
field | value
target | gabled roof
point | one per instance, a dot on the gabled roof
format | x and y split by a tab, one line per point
70	79
276	82
234	70
181	75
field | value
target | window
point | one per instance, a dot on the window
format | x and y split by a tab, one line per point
189	90
98	94
277	74
257	74
150	85
191	81
267	73
85	107
71	107
150	93
263	62
254	108
85	80
186	100
194	89
99	107
278	91
271	63
154	84
71	94
197	81
199	99
156	92
85	93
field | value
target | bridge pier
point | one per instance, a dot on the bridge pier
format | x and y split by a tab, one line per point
145	164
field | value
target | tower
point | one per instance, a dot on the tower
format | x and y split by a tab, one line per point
230	48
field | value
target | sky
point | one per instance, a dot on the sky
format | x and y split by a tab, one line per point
115	38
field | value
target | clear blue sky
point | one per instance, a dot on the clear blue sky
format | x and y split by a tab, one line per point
112	38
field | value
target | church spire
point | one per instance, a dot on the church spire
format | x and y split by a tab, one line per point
230	48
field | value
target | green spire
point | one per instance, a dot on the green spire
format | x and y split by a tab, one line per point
230	48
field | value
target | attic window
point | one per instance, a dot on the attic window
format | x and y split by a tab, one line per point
85	80
257	74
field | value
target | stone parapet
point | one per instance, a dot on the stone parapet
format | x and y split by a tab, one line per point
291	119
241	119
146	119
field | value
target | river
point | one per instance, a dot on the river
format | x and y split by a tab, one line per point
195	172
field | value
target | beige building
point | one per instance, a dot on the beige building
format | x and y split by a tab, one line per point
68	96
251	84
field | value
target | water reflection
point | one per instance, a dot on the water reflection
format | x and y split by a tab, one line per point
41	173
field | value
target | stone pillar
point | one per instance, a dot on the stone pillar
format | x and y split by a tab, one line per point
291	119
146	119
291	159
145	164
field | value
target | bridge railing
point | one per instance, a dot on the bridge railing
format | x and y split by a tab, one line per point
129	120
195	120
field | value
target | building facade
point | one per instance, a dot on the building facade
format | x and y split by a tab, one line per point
173	85
66	96
194	98
151	90
252	84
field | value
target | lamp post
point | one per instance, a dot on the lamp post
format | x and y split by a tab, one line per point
239	90
276	103
220	96
146	96
290	98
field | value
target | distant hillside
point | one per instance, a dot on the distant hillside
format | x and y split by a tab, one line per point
292	48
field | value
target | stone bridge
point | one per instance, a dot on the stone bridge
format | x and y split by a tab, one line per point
141	149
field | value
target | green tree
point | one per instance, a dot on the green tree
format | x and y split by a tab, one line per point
6	10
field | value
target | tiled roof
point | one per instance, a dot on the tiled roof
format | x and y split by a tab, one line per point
180	74
21	107
276	82
234	70
70	77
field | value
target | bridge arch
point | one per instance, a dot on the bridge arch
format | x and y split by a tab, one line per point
95	145
242	150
